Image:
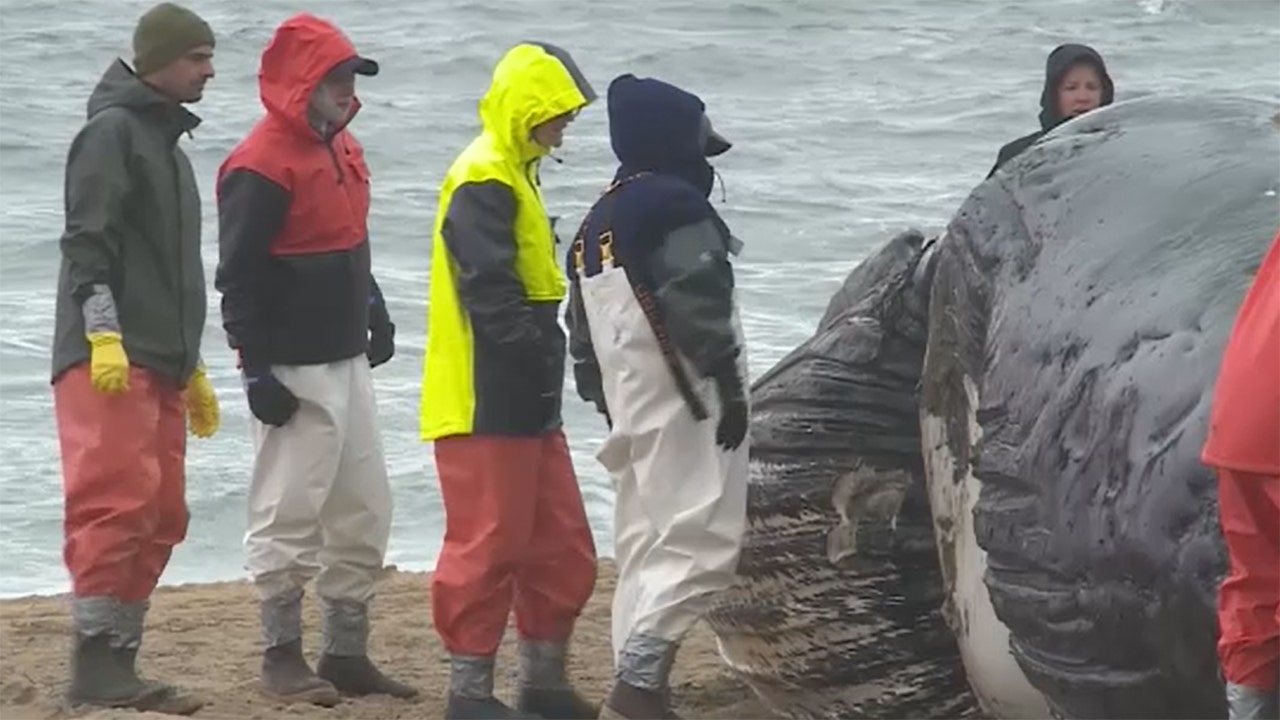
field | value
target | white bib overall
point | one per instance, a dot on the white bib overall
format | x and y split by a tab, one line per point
680	512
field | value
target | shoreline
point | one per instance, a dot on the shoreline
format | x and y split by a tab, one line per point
205	637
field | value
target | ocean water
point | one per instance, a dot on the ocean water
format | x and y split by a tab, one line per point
851	121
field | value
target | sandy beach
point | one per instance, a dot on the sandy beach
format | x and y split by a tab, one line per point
206	637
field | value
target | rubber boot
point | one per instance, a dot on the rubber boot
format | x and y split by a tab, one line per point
165	698
471	692
1246	703
97	676
286	677
642	687
345	661
628	702
544	683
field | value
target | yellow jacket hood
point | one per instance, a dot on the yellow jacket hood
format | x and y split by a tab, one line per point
531	84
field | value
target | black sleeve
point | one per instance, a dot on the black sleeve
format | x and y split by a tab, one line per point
379	317
251	212
96	184
693	284
1012	149
586	369
1006	151
479	231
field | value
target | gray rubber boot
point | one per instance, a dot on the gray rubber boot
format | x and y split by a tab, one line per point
126	641
1246	703
286	676
344	661
544	683
642	687
97	675
471	692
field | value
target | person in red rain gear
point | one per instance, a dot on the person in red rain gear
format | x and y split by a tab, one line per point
128	379
300	305
1243	447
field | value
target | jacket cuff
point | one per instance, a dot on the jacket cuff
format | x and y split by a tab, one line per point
99	310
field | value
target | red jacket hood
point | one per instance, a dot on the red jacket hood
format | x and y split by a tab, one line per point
303	50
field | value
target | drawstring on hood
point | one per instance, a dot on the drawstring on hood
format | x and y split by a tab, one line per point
303	50
1060	61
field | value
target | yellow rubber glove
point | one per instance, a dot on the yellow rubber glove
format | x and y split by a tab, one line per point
108	364
202	405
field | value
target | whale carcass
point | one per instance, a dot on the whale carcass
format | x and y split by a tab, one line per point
976	489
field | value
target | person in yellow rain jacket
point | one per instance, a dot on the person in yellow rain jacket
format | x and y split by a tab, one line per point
516	534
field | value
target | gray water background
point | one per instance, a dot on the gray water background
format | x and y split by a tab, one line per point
852	120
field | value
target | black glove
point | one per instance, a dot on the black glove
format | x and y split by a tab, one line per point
382	343
269	400
604	410
732	429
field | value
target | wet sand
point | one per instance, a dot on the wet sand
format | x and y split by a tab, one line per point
206	638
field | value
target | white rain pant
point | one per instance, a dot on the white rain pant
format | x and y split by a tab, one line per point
680	512
319	501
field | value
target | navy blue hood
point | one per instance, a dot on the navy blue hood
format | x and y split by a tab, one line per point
1062	59
655	126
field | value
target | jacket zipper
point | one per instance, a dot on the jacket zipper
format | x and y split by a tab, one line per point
333	155
530	169
182	273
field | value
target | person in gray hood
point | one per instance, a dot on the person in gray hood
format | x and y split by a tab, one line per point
127	375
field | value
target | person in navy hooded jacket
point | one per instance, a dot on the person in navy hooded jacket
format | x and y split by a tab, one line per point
658	348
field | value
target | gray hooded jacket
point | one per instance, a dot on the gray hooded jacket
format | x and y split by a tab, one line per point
131	248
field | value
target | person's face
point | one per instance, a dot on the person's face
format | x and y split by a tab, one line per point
184	78
1079	91
550	134
334	96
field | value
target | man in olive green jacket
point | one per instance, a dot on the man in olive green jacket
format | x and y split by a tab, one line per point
127	373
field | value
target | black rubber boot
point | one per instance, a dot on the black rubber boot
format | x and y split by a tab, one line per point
471	692
544	683
356	675
127	639
626	702
287	677
641	690
345	662
562	704
490	708
99	678
161	697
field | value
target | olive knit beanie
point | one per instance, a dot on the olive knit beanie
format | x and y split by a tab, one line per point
165	33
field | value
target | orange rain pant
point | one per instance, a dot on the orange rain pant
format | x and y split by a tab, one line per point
516	535
1249	599
123	481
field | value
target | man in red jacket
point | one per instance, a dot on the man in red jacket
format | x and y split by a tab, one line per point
300	305
1244	448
